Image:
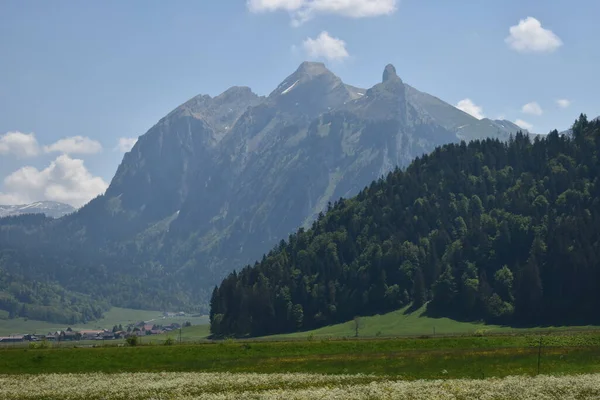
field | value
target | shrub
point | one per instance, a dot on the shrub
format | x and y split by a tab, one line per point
44	344
132	340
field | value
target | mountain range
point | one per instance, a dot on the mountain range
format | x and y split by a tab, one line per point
219	180
51	209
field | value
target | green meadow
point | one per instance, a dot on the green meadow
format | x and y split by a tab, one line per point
416	358
402	323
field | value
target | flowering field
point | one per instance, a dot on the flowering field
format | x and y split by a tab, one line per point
289	386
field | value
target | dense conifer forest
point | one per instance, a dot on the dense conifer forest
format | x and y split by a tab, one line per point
501	232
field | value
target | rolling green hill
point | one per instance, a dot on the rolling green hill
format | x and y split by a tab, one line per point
404	322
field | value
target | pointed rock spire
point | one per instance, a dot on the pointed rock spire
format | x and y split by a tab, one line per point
389	73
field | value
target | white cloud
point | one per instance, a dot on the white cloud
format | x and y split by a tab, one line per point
126	144
19	144
524	124
325	46
274	5
532	108
471	108
66	180
7	199
529	37
563	103
303	10
75	145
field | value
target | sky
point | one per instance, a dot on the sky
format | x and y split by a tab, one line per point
81	80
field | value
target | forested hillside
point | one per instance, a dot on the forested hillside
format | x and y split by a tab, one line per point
505	232
41	298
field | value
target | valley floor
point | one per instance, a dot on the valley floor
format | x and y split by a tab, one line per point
417	358
115	316
500	366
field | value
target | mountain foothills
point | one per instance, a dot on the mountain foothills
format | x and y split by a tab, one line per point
504	232
218	182
51	209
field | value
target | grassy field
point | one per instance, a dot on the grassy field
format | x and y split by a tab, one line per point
454	357
194	333
176	386
114	316
402	323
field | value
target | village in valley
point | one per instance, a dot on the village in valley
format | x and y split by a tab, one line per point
120	331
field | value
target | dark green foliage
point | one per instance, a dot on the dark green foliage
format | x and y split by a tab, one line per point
132	340
505	232
47	301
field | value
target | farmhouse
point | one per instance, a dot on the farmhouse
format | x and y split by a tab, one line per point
11	339
90	334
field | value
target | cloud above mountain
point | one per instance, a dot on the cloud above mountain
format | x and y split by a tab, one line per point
532	108
304	10
65	180
524	124
23	145
19	144
528	36
74	145
563	103
470	108
125	144
326	47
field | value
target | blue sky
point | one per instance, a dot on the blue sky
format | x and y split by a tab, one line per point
76	77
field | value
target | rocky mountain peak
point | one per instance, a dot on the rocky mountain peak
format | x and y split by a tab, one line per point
312	89
312	69
389	73
307	73
236	91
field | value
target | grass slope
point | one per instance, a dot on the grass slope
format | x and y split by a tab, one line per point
194	333
404	323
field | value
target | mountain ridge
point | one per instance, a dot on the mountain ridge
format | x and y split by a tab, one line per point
214	184
51	209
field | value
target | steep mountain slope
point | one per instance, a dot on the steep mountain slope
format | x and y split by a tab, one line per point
282	167
218	181
51	209
464	125
509	233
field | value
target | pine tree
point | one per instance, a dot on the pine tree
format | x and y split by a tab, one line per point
418	289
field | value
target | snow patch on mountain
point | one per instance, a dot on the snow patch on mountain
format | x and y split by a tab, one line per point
290	88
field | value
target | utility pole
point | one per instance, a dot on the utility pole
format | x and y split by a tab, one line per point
179	334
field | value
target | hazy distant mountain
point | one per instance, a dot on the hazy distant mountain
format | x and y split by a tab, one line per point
219	181
51	209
